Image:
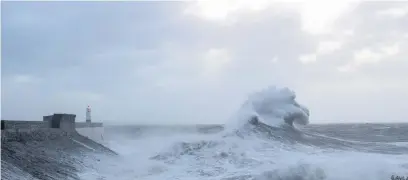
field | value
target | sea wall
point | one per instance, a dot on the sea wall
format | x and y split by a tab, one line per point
87	124
66	122
27	125
49	149
92	131
47	154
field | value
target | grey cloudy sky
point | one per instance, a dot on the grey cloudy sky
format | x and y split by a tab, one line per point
196	62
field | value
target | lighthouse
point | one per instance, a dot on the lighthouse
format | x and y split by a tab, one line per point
88	114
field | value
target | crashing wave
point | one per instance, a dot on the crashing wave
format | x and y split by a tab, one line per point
270	108
274	107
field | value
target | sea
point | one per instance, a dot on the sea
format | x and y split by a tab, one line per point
271	137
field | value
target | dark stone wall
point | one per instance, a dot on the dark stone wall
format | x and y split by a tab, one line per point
51	121
47	154
65	122
11	124
47	150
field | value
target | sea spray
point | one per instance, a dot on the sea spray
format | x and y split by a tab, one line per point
270	149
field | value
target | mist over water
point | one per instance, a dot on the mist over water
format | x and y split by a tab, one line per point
268	138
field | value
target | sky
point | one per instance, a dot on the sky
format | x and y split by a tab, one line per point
197	61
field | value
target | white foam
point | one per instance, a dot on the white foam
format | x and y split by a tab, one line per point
271	105
255	157
232	156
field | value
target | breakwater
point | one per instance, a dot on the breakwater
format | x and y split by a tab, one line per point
48	149
94	131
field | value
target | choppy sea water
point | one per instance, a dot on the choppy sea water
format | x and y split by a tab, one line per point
333	152
263	141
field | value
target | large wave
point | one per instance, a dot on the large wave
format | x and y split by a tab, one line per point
273	106
269	110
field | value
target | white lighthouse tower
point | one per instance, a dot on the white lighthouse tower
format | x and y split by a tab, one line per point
88	114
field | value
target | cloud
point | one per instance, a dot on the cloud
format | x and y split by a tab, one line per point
308	58
368	56
23	78
323	48
318	16
223	10
194	62
214	61
327	47
394	12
